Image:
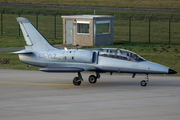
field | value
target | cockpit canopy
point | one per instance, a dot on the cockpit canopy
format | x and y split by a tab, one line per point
119	54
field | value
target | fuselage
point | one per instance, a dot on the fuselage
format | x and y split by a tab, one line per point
104	60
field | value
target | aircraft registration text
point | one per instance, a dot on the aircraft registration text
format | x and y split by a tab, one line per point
45	55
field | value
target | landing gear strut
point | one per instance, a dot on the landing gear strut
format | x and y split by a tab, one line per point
144	82
77	80
93	78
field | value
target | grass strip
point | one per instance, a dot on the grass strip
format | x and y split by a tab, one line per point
170	4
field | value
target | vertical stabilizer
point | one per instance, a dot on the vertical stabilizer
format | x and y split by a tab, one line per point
32	37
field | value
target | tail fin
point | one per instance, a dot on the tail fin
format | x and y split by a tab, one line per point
32	37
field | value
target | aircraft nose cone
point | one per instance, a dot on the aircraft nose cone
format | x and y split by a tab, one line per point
171	71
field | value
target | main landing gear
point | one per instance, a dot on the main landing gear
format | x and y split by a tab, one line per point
92	79
143	83
77	81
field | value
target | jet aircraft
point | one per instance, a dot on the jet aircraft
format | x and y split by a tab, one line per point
39	52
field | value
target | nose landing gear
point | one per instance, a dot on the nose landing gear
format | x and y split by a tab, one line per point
143	83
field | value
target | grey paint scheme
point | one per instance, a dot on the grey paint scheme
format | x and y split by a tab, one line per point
40	53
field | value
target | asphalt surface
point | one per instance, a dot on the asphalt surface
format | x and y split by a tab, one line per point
35	95
88	7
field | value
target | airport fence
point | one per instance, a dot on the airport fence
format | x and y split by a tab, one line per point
128	27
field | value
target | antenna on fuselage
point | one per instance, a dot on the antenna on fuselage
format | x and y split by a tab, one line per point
76	48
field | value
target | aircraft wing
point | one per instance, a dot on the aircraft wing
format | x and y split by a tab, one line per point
66	69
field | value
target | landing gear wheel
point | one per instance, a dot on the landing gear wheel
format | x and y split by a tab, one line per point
143	83
76	81
92	79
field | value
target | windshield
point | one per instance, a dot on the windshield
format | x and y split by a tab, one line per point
120	54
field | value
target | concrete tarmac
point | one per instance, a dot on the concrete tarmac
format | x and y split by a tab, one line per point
35	95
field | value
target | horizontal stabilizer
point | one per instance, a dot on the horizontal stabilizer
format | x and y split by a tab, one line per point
21	52
61	69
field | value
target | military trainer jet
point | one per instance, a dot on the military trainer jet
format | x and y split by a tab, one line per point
39	52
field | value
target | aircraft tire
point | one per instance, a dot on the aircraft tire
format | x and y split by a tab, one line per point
76	81
143	83
92	79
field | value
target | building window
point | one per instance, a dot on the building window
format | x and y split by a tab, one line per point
82	27
102	27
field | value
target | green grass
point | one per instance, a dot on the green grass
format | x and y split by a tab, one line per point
12	41
172	4
139	28
45	25
15	63
159	31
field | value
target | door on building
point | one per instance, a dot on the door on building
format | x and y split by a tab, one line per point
69	32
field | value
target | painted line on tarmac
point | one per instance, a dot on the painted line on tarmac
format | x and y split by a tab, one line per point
86	84
56	84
